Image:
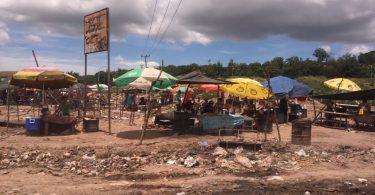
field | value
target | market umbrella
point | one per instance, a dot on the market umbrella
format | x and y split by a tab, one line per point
142	79
282	86
42	77
79	86
342	84
209	87
99	87
181	89
245	87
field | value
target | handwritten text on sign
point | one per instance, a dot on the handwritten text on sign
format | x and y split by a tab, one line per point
96	31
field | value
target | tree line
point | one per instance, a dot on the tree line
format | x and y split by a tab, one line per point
322	64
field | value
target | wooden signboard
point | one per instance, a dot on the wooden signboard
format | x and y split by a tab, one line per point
96	31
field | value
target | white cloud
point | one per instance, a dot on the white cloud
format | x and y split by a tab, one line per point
16	63
358	49
124	63
33	38
4	35
327	48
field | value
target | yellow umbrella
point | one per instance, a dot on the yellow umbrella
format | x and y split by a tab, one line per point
42	77
342	84
248	88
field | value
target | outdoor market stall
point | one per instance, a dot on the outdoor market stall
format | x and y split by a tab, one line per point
285	88
209	122
331	116
145	79
45	78
251	90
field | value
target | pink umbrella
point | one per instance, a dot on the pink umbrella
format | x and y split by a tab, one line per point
40	69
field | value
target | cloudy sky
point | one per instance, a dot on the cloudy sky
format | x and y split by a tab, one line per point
201	31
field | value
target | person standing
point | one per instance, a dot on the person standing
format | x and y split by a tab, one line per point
177	100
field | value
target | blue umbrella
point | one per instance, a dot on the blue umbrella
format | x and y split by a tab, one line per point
283	85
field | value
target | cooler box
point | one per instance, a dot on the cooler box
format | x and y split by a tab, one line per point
33	124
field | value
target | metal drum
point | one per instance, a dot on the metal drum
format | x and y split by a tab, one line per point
301	132
90	125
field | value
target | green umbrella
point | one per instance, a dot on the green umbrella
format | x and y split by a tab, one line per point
143	78
99	87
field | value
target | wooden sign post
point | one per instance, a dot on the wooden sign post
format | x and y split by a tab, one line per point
96	39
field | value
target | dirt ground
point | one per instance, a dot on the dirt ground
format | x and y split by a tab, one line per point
337	162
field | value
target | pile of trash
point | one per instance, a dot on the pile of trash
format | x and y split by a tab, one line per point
91	162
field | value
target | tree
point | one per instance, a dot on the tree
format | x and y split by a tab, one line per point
321	54
75	74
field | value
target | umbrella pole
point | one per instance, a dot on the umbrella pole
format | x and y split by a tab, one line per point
8	108
313	101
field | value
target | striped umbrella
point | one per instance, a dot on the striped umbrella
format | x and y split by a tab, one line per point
143	78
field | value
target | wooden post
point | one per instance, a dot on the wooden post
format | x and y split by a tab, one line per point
149	105
109	77
8	108
314	107
18	112
277	124
122	104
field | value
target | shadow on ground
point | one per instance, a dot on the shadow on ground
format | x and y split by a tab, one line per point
150	134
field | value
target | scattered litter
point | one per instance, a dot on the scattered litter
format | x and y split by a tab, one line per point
219	151
238	150
275	178
362	180
244	161
190	162
348	183
307	193
203	144
171	162
181	193
187	186
301	153
267	162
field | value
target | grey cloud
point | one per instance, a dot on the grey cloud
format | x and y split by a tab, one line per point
66	18
329	21
349	21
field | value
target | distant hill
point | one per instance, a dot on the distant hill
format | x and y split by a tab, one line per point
316	82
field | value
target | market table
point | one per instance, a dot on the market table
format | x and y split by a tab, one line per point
61	120
338	118
212	123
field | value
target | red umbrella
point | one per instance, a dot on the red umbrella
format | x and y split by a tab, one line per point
182	90
209	87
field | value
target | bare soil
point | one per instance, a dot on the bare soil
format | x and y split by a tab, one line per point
336	162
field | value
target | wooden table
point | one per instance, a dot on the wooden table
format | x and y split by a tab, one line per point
62	120
340	119
365	120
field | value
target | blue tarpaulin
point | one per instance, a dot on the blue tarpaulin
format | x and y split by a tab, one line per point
283	85
215	122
